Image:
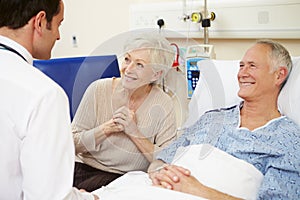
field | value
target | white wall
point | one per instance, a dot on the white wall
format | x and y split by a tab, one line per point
94	22
98	25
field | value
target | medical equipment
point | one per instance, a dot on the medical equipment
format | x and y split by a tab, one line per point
204	18
194	54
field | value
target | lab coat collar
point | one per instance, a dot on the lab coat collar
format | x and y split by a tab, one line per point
19	48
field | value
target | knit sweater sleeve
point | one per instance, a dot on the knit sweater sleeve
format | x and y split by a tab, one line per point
85	119
161	119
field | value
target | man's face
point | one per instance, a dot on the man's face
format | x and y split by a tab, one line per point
50	33
257	79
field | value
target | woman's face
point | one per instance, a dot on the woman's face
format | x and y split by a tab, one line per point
137	70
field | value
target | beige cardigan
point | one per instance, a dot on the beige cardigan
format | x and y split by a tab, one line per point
155	119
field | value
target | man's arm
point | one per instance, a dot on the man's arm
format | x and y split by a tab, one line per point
154	168
155	165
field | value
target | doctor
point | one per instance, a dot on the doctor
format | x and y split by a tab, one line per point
37	150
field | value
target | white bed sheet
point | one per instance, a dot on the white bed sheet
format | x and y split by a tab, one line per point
137	186
211	166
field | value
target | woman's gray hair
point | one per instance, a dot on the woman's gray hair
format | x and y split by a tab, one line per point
279	55
161	52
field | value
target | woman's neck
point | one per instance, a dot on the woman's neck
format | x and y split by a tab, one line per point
140	92
138	96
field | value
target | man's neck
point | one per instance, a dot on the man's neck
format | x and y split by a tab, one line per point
256	114
18	35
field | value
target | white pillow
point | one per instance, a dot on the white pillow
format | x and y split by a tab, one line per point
289	98
218	87
220	170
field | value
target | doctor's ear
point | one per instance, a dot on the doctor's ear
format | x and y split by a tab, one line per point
40	20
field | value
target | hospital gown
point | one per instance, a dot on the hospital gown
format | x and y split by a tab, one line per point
273	148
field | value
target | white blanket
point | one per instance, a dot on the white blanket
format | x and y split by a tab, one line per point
137	186
219	170
211	166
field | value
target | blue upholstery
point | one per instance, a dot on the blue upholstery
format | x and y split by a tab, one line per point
75	74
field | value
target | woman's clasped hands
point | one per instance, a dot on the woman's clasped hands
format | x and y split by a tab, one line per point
126	117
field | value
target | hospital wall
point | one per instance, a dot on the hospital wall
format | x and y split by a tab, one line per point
89	24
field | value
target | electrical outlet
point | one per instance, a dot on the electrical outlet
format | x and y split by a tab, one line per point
74	41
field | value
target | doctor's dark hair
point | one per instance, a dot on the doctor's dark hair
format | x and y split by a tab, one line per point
15	14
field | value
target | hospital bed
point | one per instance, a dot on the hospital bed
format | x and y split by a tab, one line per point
74	74
217	87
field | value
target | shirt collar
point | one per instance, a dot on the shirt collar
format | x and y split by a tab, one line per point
19	48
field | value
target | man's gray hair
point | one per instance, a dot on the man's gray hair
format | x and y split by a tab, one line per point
279	55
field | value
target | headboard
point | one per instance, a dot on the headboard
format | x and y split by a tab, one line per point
75	74
218	87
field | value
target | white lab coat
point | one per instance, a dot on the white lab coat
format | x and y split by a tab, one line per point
37	149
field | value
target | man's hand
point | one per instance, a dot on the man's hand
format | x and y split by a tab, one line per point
169	176
95	196
180	179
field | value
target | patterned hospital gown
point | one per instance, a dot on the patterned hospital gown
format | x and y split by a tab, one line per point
274	149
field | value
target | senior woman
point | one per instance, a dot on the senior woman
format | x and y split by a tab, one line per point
121	123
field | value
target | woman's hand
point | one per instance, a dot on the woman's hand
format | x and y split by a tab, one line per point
106	129
110	127
126	118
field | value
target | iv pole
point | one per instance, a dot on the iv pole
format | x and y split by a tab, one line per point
205	27
208	17
202	17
